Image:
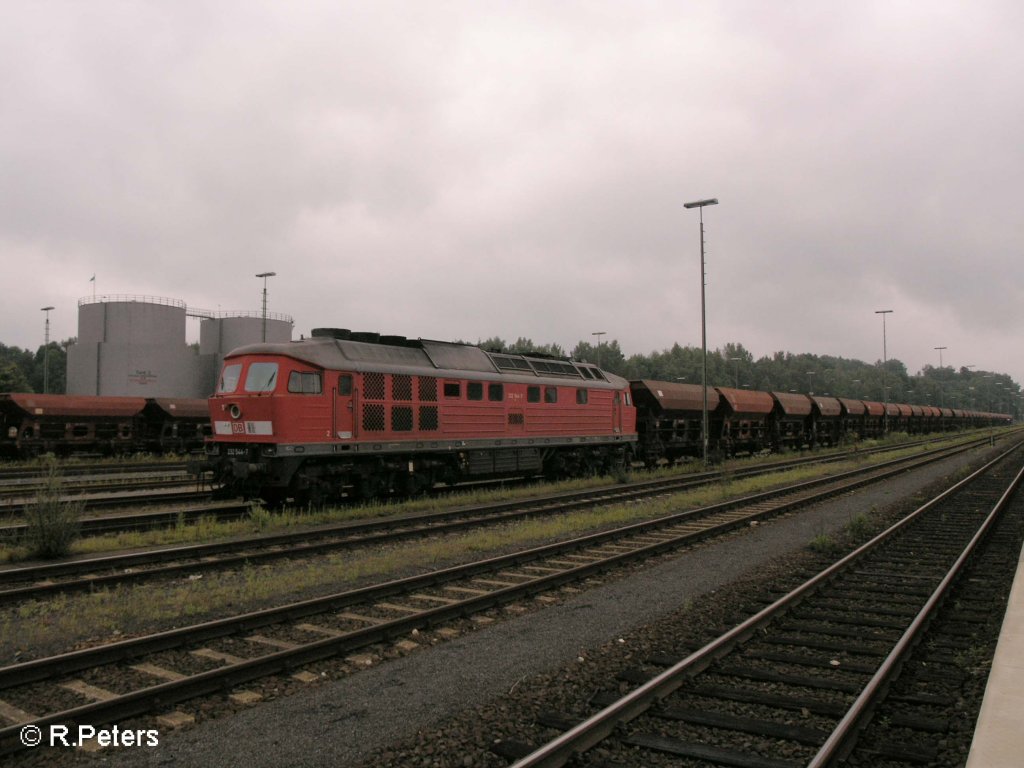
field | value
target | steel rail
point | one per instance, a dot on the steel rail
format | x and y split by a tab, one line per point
599	726
73	470
352	534
168	693
144	520
108	524
41	668
839	742
133	498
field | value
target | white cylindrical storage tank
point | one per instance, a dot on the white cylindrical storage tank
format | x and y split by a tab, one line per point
226	331
137	320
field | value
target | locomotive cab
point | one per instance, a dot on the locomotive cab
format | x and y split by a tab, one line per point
264	404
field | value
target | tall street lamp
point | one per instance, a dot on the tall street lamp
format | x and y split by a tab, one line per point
599	334
699	204
942	387
46	352
265	275
737	361
885	389
810	386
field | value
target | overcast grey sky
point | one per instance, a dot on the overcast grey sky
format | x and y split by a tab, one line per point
470	169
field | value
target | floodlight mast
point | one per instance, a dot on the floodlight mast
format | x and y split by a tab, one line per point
700	204
265	275
46	352
885	362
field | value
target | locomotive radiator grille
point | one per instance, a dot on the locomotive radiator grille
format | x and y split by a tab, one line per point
373	417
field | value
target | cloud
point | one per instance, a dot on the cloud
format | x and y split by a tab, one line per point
466	170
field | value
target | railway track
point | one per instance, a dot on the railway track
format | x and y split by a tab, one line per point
41	581
797	683
190	492
139	521
111	484
132	497
27	473
113	682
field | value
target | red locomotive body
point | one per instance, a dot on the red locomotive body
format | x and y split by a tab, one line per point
338	415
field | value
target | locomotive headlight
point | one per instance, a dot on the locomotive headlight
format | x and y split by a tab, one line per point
12	433
235	411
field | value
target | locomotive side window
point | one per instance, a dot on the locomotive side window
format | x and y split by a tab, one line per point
261	377
533	394
474	390
581	397
452	389
550	394
304	382
495	392
229	378
345	384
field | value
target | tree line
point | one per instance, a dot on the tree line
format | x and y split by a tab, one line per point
735	366
21	370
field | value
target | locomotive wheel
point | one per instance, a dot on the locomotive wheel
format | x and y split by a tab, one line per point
366	488
415	484
273	497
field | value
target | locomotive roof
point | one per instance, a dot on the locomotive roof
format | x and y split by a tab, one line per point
433	358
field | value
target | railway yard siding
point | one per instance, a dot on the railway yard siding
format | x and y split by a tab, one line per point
441	694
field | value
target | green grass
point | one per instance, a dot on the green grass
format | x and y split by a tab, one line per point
65	621
264	521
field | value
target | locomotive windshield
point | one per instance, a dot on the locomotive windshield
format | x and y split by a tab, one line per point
261	377
229	378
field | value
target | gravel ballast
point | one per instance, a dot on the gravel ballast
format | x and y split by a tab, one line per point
388	714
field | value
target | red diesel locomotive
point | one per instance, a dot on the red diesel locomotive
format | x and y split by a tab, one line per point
345	414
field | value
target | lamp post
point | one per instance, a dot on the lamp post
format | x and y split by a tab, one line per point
885	360
265	275
737	361
46	352
599	334
942	387
700	204
810	386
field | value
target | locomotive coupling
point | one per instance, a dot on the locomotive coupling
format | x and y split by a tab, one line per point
241	470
